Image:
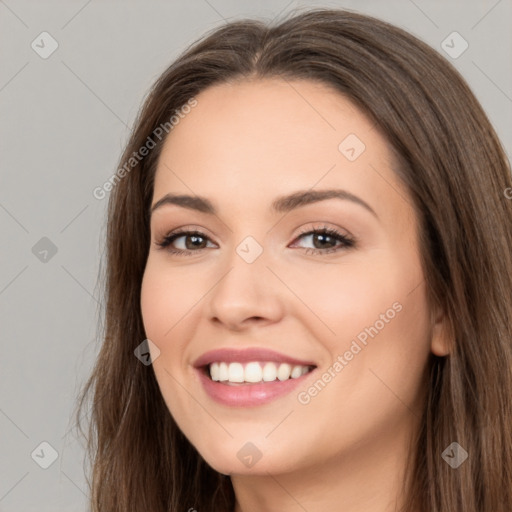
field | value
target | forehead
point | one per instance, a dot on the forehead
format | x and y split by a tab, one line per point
270	113
271	136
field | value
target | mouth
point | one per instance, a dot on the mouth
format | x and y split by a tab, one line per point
250	377
253	372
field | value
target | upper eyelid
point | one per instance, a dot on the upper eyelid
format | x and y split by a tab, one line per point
186	230
304	231
197	227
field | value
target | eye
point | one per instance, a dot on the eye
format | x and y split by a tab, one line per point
193	241
325	240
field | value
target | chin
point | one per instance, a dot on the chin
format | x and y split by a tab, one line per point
247	458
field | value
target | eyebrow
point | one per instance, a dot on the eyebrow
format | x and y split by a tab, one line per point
282	204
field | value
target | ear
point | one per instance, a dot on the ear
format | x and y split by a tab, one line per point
442	336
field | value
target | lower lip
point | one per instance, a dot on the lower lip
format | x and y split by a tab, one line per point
248	395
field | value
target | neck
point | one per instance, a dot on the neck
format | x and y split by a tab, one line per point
366	478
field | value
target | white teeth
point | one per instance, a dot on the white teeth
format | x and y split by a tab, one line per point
255	371
283	372
214	371
269	372
223	372
236	372
296	372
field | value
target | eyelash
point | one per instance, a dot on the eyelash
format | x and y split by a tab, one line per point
346	242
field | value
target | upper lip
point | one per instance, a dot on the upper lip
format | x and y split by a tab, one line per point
246	355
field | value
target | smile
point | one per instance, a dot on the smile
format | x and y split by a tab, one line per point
249	377
255	371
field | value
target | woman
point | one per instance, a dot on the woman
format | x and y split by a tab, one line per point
309	238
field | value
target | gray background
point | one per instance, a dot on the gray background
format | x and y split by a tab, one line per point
64	121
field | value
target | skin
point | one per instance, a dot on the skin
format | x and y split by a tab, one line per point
242	146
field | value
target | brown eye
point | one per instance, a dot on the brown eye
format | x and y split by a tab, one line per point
189	242
196	241
326	240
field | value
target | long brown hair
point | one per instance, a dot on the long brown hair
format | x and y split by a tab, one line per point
456	172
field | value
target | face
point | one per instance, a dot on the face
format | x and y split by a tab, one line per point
312	304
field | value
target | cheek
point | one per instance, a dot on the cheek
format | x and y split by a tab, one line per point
167	307
349	295
381	345
167	298
375	316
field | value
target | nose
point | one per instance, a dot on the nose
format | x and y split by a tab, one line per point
248	294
